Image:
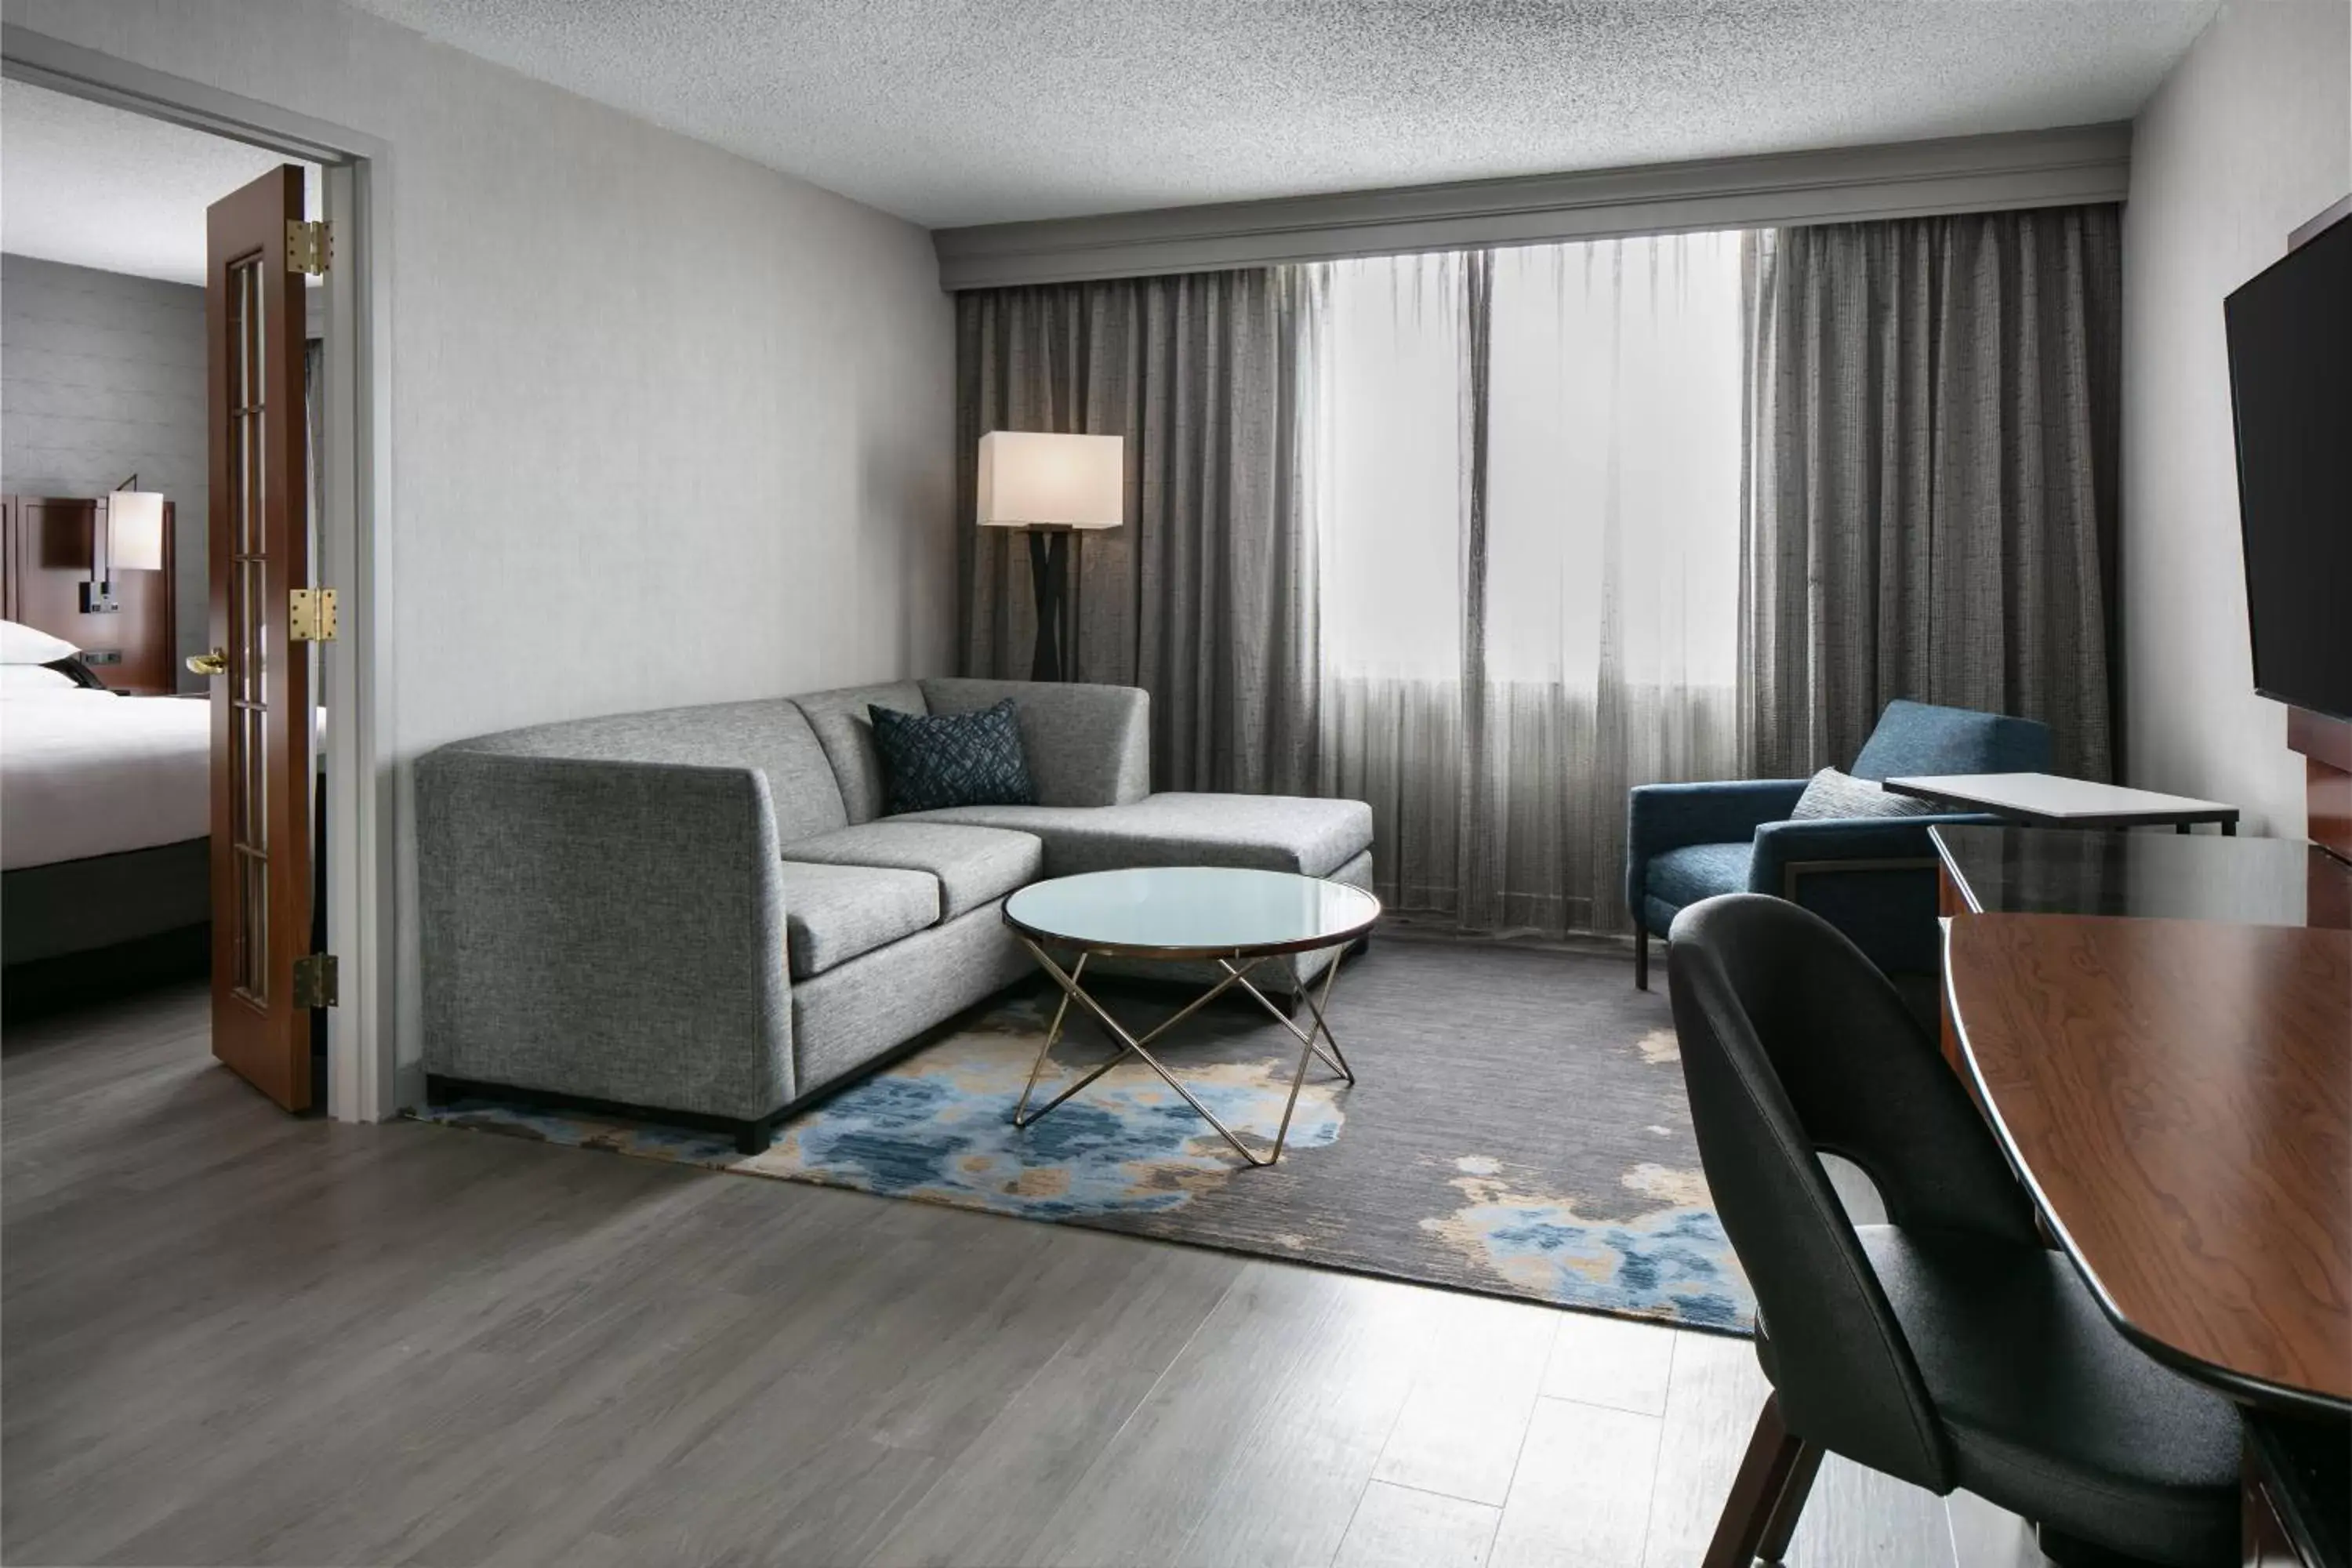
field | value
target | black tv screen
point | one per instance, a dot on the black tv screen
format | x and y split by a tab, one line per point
2291	383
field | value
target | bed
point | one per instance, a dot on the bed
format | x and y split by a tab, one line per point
105	813
105	800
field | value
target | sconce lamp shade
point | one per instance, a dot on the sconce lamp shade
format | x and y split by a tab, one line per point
1034	479
134	524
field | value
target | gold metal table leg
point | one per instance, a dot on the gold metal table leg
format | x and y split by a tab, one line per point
1137	1046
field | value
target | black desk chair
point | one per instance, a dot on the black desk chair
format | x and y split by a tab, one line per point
1947	1348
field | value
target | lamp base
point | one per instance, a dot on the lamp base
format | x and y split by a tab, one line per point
1051	559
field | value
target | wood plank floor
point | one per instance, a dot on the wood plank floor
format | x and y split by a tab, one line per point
230	1336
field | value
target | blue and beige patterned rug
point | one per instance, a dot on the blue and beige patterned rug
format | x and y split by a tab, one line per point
1518	1128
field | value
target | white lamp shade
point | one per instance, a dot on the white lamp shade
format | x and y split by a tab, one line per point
1031	479
134	523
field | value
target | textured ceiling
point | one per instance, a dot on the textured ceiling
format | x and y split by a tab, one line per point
958	111
97	186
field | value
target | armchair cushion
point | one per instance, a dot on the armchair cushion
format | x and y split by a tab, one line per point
1919	738
1696	871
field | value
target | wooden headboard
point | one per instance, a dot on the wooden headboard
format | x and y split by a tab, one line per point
44	560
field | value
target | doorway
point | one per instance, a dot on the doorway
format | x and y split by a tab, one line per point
349	314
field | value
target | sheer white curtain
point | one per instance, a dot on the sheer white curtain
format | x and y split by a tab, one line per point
1528	492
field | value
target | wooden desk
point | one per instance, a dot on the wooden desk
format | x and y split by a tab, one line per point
2069	871
2177	1096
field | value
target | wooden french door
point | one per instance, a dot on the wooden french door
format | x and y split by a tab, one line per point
262	728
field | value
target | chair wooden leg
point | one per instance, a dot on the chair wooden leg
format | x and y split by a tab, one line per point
1793	1492
1776	1457
1640	959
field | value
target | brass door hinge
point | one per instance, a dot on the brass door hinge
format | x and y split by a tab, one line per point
311	615
314	980
309	246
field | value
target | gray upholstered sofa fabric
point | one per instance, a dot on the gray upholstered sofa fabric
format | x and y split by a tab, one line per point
612	930
972	865
772	738
835	913
700	909
1087	745
1267	833
850	1018
844	728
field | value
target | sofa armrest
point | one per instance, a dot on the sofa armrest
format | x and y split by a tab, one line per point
604	928
1087	745
1659	817
1873	877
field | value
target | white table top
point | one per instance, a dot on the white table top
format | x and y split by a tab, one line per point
2046	797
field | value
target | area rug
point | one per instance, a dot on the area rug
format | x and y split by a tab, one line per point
1518	1127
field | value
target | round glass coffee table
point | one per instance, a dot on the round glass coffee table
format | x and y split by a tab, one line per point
1236	917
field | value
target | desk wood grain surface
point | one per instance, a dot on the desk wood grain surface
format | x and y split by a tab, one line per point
2179	1094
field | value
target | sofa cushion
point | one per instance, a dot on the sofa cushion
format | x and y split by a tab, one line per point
932	762
1267	832
1696	871
973	865
833	913
845	730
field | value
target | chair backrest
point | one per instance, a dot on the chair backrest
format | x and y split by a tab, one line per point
1793	1045
1919	738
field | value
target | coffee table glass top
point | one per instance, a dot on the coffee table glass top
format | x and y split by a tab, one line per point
1192	912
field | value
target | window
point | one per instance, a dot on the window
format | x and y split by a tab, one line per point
1526	467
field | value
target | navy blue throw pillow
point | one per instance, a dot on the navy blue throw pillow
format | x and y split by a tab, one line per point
931	761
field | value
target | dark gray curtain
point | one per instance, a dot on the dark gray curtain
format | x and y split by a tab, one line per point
1931	507
1206	598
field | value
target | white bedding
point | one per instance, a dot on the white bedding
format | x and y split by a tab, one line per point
86	773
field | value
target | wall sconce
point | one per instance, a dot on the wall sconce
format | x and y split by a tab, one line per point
128	537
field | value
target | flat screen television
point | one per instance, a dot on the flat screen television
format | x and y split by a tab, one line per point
2289	333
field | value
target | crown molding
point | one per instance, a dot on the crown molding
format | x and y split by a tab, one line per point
1842	184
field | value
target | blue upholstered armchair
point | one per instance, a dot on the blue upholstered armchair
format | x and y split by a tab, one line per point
1873	877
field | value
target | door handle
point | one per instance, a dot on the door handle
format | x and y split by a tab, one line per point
213	663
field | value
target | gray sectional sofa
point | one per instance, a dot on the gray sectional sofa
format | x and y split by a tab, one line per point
702	911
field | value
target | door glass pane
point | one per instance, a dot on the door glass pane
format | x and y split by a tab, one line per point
248	650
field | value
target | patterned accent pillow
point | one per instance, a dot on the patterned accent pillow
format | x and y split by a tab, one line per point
1832	793
934	760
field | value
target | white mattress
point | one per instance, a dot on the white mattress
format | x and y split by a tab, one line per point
86	773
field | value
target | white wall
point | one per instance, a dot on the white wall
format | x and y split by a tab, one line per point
2249	137
667	426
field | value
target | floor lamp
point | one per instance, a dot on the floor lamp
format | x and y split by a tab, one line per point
1055	489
